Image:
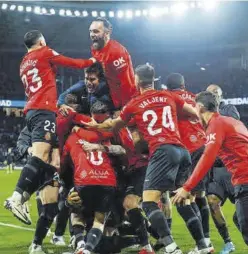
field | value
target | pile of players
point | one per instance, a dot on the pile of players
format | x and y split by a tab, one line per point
119	142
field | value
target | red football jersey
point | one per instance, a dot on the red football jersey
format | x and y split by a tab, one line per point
135	160
118	68
38	74
191	131
227	138
155	114
90	168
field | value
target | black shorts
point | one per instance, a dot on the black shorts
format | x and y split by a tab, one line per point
135	181
221	186
195	157
42	126
97	198
166	168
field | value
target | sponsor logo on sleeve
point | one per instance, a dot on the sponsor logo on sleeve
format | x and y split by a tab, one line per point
211	138
119	63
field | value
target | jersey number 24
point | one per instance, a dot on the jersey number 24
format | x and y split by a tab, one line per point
167	121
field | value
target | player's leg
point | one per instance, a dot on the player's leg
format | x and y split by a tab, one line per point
61	219
78	226
102	198
241	210
42	127
216	198
131	206
161	176
167	207
49	199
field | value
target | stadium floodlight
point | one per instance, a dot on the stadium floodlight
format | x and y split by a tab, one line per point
102	14
28	9
62	12
179	8
4	6
203	69
43	10
129	14
94	14
52	11
145	12
138	13
12	7
111	14
37	10
155	12
20	8
68	13
77	13
210	5
120	14
85	13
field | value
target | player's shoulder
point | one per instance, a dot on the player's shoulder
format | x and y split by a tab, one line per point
117	48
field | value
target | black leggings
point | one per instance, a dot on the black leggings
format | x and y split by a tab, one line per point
242	215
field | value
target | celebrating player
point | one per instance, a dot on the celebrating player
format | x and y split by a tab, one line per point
193	137
116	62
37	72
220	188
227	138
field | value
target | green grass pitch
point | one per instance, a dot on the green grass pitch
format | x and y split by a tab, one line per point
17	240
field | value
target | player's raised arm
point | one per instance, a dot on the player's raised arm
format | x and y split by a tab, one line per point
58	59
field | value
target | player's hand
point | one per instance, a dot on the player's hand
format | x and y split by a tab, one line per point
75	129
73	199
91	125
89	147
93	59
116	114
64	110
30	150
181	195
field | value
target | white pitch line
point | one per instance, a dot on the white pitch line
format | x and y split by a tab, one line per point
14	226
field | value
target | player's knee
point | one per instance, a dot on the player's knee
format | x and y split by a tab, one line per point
49	211
214	203
130	202
149	207
49	195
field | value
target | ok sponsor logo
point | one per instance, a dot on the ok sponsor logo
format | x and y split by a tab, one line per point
211	138
119	63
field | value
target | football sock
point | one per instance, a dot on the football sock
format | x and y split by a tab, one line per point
204	210
93	238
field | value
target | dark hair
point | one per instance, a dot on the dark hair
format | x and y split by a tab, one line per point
99	107
208	100
174	81
71	99
31	38
96	68
146	74
105	22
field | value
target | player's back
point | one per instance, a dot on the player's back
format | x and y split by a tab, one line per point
38	77
191	131
155	113
90	168
234	150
